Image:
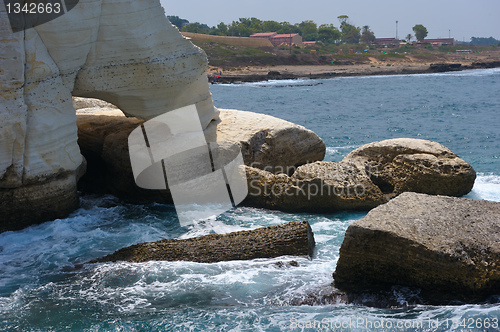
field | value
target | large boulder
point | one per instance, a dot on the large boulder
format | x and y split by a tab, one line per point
406	164
265	142
448	247
268	143
319	186
364	179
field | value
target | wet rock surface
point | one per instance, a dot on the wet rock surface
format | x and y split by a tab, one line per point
444	67
294	238
448	247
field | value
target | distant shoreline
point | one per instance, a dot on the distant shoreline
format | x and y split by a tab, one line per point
266	73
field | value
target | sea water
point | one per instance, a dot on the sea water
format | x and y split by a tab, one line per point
42	290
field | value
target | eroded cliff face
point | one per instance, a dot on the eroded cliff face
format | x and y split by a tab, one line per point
124	52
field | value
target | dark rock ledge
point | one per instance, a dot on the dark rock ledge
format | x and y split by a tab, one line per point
294	238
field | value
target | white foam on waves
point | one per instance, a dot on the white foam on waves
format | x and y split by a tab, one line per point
487	187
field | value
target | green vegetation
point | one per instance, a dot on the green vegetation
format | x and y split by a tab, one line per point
407	48
309	30
177	21
420	32
347	33
367	36
484	41
328	34
350	33
228	57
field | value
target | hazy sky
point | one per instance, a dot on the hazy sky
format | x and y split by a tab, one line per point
465	18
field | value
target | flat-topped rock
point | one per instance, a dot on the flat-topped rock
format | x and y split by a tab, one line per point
407	164
293	238
448	247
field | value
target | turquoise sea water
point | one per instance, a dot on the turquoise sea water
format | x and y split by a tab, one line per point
41	291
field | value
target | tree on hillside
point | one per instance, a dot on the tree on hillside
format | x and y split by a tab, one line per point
367	36
286	27
197	28
221	30
328	34
420	32
177	21
239	29
409	37
270	26
350	34
250	25
484	41
343	20
309	30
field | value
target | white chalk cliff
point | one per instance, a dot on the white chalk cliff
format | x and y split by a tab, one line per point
121	51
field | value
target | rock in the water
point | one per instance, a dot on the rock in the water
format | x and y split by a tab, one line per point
122	51
448	247
319	186
444	67
265	141
268	143
406	164
55	197
294	238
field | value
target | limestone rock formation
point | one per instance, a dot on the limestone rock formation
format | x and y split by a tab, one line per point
265	142
121	51
319	186
406	164
294	238
366	178
449	247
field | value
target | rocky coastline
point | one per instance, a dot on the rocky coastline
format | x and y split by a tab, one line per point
246	77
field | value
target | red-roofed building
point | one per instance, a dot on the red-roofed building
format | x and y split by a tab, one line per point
440	41
288	39
309	43
387	41
264	35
